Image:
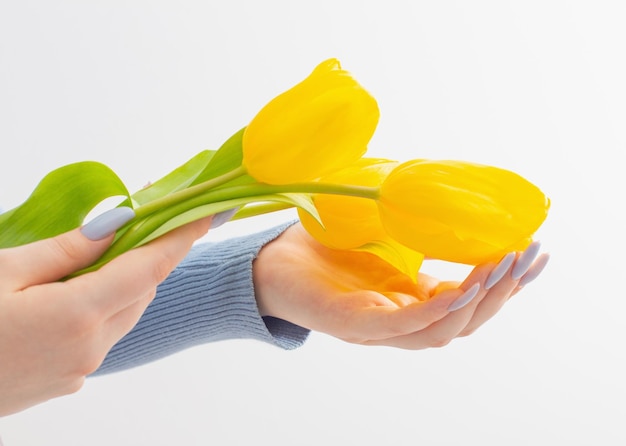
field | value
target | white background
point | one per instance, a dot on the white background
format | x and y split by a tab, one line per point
534	86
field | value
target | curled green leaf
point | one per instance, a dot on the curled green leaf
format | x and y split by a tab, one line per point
60	203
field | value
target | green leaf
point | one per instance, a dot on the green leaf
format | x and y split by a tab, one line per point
227	158
176	180
60	203
399	256
204	166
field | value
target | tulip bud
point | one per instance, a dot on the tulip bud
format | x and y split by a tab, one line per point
460	212
322	124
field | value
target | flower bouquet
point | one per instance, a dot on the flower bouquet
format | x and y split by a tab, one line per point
306	149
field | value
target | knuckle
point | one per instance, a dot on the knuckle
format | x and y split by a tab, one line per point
86	322
440	342
467	332
161	265
66	248
82	318
395	326
73	385
147	299
353	339
89	364
89	358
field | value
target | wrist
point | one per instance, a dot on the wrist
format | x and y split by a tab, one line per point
264	280
275	286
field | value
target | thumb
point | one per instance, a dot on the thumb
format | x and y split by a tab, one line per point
52	259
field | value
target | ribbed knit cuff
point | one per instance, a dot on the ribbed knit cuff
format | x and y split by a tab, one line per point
209	297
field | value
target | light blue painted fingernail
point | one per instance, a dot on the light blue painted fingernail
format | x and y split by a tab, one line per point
525	260
222	217
534	271
465	298
500	270
107	223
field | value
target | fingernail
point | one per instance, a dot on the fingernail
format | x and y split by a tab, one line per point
500	270
525	260
534	270
107	223
465	298
222	217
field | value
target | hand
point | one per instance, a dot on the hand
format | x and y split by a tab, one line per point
357	297
53	334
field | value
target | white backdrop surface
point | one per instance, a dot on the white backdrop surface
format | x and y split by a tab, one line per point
534	86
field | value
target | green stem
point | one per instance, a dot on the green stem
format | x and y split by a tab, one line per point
140	231
255	189
185	194
148	221
141	228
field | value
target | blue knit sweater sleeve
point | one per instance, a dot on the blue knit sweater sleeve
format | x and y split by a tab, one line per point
209	297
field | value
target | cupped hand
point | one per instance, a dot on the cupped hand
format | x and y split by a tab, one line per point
54	333
357	297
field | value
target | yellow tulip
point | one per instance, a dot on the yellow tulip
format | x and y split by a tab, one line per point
460	212
349	222
322	124
353	223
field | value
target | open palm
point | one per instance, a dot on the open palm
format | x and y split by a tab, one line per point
359	298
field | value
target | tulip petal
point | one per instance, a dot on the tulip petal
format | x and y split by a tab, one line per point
459	211
321	124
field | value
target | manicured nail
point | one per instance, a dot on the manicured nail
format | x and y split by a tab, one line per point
500	270
535	269
525	260
107	223
222	217
465	298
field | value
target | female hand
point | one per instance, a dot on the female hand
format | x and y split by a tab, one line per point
357	297
53	334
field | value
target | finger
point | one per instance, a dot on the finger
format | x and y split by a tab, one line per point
385	322
525	260
535	270
136	273
52	259
389	321
431	285
445	285
431	323
490	305
500	293
470	312
440	332
500	270
401	299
